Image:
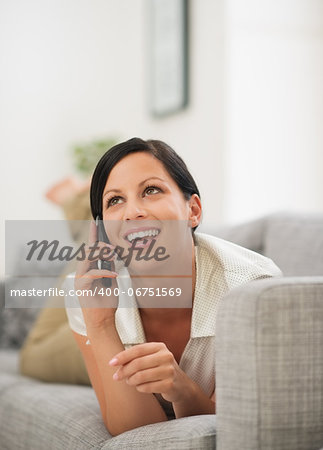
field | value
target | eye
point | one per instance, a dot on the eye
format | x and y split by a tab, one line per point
113	201
152	190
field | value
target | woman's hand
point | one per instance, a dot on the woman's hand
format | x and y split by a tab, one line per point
97	307
152	368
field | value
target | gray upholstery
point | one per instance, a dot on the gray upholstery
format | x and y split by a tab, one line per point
269	366
295	243
195	433
250	234
269	374
38	416
9	361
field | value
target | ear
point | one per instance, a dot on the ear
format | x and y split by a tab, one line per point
195	210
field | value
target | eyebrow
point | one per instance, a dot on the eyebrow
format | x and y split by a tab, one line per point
140	184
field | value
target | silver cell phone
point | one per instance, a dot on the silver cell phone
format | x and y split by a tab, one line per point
105	265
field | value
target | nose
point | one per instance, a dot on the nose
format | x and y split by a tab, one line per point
134	210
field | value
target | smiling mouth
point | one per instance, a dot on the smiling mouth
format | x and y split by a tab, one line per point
142	235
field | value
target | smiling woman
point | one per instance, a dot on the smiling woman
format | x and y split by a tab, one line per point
151	361
160	167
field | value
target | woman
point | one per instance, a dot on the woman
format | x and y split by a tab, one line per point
144	361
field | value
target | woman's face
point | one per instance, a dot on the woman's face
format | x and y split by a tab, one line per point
141	196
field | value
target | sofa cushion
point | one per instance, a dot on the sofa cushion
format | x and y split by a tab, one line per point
41	415
9	361
249	234
188	433
295	243
15	323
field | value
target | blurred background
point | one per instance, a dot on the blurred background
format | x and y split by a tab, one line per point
248	120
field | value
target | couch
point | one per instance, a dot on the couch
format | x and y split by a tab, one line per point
269	364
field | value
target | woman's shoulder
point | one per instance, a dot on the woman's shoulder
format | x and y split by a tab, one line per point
233	258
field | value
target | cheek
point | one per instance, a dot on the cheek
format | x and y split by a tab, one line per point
176	207
112	224
112	229
111	213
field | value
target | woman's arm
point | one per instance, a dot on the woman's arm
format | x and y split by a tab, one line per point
122	406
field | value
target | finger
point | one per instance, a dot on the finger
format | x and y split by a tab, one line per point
92	232
85	263
136	365
149	375
99	248
92	253
142	363
87	280
136	351
94	274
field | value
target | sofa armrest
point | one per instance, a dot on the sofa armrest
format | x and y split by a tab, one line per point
269	366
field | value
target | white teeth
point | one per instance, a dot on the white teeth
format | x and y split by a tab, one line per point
141	234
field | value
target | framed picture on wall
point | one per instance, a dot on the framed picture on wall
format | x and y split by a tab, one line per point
168	56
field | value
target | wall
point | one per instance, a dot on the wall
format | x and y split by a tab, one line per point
75	70
274	133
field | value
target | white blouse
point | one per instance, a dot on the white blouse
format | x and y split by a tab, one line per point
220	267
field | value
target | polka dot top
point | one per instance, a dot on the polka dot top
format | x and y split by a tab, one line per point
220	267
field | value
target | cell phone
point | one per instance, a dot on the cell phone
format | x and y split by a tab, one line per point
105	265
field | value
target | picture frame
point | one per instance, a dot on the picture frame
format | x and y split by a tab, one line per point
168	56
